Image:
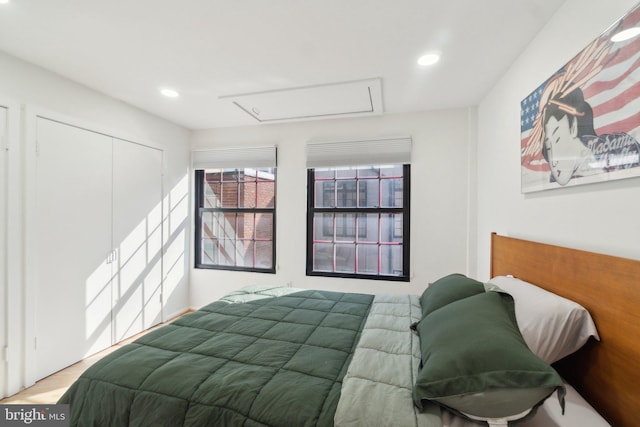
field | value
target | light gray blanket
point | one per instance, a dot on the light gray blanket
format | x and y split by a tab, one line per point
377	389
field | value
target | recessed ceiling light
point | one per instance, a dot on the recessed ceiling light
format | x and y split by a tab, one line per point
169	93
428	59
626	34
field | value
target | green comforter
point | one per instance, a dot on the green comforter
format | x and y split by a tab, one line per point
258	357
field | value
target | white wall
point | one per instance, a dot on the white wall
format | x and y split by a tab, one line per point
596	217
439	198
25	85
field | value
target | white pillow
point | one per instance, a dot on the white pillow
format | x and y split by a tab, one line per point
552	326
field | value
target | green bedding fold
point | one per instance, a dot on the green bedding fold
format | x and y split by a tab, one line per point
261	356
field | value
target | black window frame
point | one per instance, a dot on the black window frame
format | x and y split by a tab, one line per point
200	209
404	210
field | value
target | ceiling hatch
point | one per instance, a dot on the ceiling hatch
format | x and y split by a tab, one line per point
353	98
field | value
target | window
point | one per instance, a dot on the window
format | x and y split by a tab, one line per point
235	214
374	200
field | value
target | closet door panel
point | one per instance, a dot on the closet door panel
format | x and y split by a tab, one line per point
73	241
137	193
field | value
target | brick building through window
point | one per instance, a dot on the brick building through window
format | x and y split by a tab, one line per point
236	219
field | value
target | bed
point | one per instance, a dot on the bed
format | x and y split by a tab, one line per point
279	356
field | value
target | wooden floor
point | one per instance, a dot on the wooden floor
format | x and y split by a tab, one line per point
48	390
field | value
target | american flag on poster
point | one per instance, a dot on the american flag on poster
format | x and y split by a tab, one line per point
608	76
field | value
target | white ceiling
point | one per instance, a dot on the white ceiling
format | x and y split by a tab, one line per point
207	49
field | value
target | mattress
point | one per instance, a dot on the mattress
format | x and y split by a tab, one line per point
578	413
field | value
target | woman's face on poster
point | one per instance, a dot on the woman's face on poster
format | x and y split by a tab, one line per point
563	148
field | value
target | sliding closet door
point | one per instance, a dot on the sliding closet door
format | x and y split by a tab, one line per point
3	247
137	237
73	243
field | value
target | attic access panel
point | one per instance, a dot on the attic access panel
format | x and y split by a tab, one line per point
362	97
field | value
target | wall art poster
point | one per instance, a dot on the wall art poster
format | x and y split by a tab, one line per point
582	125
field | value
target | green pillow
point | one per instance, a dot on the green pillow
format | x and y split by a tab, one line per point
448	289
476	363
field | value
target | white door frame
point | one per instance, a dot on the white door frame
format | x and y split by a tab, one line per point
4	166
11	280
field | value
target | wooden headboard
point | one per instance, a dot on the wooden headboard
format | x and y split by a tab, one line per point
606	373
